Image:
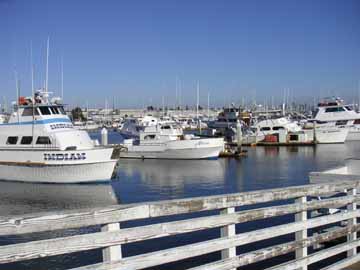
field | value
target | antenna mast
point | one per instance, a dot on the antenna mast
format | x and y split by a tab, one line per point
62	79
197	101
46	95
32	94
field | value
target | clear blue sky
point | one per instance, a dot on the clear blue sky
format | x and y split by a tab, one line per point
134	50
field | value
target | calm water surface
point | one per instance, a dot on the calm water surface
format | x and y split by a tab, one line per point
152	180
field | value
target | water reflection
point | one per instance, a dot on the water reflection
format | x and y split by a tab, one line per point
173	175
19	198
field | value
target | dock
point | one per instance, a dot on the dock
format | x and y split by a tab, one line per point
225	213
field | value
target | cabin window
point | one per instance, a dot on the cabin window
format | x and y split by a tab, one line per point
357	122
53	110
61	110
265	129
43	140
44	110
349	108
149	137
341	123
26	140
165	127
278	128
12	140
30	112
334	109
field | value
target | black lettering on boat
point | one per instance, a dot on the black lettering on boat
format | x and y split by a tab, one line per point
59	156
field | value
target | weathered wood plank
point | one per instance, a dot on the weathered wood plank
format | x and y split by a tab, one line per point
353	236
57	246
301	235
246	198
112	253
197	249
318	256
228	231
41	222
273	251
76	219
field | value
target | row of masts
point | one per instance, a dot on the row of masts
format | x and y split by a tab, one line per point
45	89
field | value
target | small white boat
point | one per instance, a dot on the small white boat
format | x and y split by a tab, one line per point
349	171
169	142
39	144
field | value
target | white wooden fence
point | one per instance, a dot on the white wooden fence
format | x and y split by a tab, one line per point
112	236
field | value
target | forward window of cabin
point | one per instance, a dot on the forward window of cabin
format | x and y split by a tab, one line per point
265	129
349	108
26	140
44	110
52	110
57	111
278	128
61	109
12	140
43	140
149	137
30	112
335	109
357	122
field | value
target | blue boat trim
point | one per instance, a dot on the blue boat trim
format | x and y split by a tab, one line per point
39	122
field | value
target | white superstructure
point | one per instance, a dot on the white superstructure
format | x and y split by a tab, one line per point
39	144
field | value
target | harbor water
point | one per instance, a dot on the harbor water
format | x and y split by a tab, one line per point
153	180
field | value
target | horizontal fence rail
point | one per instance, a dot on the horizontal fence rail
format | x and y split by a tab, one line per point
224	212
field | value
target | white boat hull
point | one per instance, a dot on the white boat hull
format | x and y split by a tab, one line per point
354	134
186	149
329	135
53	166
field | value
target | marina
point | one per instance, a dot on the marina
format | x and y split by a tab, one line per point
158	181
179	135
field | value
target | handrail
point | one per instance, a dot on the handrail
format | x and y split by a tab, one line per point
223	215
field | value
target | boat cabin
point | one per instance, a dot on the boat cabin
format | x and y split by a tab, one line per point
37	123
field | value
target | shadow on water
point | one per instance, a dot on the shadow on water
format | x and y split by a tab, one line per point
21	198
152	180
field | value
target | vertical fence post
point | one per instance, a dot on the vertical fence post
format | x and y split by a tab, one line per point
228	231
351	222
301	235
111	253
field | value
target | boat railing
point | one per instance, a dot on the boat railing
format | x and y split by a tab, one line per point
221	225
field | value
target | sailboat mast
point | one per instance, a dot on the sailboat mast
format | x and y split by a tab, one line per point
62	79
208	105
32	95
47	72
197	101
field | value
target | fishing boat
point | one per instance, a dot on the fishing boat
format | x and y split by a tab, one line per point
38	143
169	142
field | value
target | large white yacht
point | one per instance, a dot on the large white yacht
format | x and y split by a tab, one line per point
167	141
335	112
38	143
